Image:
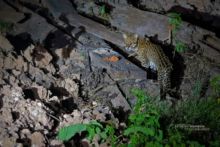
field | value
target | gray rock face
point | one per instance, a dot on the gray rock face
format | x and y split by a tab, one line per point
205	6
57	7
143	23
12	15
36	26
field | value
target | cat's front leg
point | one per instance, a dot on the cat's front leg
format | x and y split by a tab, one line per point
133	54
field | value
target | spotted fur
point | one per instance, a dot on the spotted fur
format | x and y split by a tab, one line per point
151	55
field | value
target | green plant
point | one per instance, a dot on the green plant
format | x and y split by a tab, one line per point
197	89
175	21
180	47
143	127
215	85
102	10
199	111
5	26
144	123
93	128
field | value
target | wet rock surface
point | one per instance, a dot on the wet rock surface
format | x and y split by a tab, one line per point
56	72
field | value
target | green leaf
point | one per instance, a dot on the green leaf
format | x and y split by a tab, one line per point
180	47
138	129
175	19
68	132
102	10
95	123
103	135
91	132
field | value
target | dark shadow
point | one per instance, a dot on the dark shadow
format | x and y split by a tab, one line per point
26	142
31	93
15	115
58	91
68	105
121	114
135	3
56	39
1	101
20	41
26	18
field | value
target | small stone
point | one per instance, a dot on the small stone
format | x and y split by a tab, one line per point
56	143
25	133
39	104
37	139
76	113
28	53
94	103
85	143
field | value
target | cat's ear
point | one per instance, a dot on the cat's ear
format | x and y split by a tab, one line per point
125	36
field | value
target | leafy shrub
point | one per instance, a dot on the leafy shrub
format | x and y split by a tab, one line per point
102	10
180	47
215	85
199	111
146	116
175	21
93	128
144	126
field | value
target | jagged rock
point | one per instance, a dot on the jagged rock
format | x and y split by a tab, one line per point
42	93
25	133
12	62
5	45
40	77
149	86
9	62
70	85
28	53
68	119
42	57
112	94
37	139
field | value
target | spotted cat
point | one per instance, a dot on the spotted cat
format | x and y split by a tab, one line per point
151	56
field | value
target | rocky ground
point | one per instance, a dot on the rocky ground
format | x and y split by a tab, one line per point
54	74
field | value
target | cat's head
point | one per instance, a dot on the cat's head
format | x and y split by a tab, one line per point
130	40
